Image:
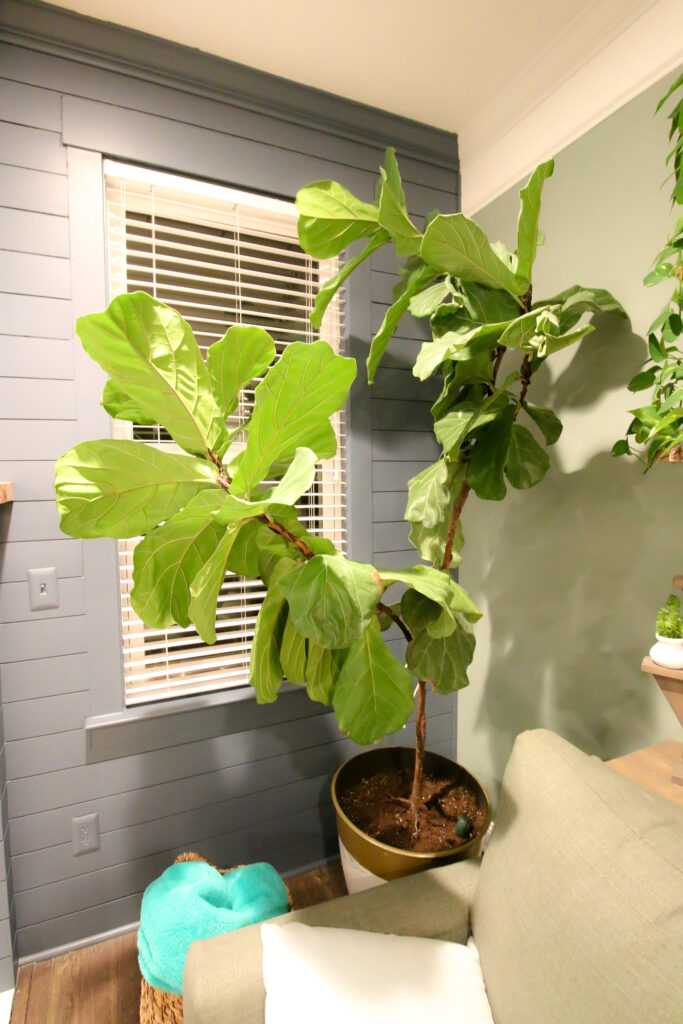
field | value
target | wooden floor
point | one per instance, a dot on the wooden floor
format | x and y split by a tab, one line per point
101	984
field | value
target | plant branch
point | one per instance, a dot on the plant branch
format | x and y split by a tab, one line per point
283	532
500	352
525	376
455	519
381	607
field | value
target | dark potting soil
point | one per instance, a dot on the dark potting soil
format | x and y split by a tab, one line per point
378	805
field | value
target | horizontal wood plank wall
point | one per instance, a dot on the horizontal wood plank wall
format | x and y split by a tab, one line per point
260	788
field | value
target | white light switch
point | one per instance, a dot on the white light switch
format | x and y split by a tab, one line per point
43	589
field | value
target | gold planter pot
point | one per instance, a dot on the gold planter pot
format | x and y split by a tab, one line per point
386	861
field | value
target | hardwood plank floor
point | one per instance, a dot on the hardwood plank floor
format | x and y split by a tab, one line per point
101	983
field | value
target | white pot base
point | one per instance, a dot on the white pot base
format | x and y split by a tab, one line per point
667	652
357	878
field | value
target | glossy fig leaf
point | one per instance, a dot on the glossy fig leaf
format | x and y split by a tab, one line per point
393	215
430	542
577	300
439	587
292	409
166	561
331	217
442	661
452	428
527	463
124	488
546	421
527	225
206	586
242	354
120	406
428	495
487	462
429	299
322	672
293	653
373	695
332	600
414	283
466	343
457	245
265	668
296	480
151	355
331	287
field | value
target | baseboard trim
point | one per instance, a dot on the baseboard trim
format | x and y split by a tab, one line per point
71	947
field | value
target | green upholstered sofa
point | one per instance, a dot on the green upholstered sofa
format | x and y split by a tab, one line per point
576	907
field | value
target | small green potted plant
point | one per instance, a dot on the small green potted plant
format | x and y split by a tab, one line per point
668	651
214	509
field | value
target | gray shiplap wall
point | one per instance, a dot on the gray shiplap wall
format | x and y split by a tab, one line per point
254	783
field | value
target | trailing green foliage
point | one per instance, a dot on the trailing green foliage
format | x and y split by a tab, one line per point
656	431
669	619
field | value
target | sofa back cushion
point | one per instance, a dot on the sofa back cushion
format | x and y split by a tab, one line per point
578	913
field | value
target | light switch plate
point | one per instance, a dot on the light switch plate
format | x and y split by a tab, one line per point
43	589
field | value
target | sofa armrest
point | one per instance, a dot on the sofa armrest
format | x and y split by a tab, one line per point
223	981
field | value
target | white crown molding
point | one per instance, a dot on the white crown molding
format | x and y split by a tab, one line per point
497	150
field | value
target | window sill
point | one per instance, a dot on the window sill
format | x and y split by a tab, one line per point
189	719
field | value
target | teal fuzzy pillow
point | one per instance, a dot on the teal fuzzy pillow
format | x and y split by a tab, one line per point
191	901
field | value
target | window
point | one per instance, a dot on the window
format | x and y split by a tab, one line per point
219	257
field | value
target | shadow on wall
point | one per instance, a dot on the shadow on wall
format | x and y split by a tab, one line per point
570	602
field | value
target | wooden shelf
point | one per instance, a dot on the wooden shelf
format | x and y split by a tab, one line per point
6	493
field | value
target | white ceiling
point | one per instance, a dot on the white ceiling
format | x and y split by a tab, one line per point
476	68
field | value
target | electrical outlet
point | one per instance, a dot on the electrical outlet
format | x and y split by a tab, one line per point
43	589
85	834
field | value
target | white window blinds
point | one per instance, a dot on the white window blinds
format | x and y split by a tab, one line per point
219	257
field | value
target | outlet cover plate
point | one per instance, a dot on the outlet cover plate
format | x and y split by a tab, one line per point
43	589
85	834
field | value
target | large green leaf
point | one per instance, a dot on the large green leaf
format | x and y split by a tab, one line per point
439	587
166	561
265	668
238	551
121	406
332	600
322	672
242	354
429	299
460	344
330	218
527	463
124	488
393	215
523	333
428	495
151	355
577	300
293	653
414	283
373	695
457	245
546	421
296	480
430	542
292	409
442	661
487	462
331	287
206	585
527	225
452	428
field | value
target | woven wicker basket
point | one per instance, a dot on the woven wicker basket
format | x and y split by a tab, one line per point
157	1006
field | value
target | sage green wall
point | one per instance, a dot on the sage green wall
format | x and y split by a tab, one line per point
570	574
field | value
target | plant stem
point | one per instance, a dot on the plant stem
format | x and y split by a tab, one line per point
455	519
283	532
416	798
396	618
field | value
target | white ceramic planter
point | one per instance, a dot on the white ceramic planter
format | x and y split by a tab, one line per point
357	877
667	652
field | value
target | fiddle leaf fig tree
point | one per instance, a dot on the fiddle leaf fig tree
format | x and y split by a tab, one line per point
223	506
213	509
